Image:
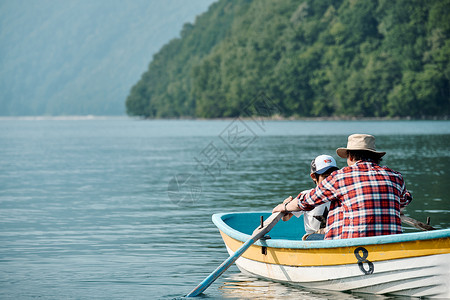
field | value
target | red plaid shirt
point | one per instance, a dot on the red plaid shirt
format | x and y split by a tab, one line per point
365	201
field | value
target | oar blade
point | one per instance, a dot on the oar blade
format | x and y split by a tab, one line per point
220	270
257	234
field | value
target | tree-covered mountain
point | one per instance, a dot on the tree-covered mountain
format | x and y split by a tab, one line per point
310	57
81	57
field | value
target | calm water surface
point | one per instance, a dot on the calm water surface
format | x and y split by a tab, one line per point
91	209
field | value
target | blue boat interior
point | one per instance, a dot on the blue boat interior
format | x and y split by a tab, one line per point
289	234
293	229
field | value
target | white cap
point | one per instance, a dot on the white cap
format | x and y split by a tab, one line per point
322	163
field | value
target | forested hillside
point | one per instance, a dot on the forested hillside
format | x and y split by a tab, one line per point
312	58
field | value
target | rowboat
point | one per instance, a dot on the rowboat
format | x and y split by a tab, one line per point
408	264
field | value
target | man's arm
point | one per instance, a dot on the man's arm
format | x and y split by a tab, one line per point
406	196
405	199
323	193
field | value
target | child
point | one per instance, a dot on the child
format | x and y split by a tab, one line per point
315	220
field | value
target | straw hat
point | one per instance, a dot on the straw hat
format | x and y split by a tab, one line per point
359	142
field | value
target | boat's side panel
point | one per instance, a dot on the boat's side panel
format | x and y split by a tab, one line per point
342	255
417	276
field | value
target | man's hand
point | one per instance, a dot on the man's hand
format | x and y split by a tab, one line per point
283	208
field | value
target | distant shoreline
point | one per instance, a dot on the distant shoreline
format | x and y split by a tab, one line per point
279	118
61	118
274	118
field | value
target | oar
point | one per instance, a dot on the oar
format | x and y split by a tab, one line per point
257	234
415	223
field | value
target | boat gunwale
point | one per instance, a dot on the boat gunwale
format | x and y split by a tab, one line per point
299	244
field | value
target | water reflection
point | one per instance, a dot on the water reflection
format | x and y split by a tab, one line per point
242	286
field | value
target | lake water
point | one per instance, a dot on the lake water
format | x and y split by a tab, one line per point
92	209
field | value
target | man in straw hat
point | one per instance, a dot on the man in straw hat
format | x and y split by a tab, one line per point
365	197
